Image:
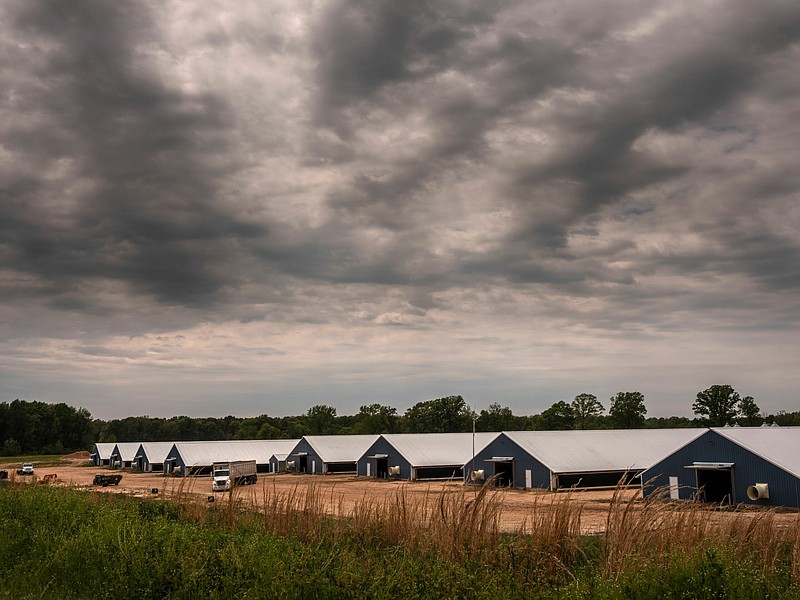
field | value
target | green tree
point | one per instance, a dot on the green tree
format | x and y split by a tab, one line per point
443	415
586	408
627	410
321	419
749	413
558	417
717	406
499	418
376	418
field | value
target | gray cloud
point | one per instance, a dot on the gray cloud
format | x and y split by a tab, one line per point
309	186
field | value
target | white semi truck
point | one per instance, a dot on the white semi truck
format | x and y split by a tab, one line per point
225	475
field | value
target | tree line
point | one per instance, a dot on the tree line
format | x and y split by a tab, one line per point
39	428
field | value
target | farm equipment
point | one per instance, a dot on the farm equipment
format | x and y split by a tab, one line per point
3	474
49	478
105	480
27	469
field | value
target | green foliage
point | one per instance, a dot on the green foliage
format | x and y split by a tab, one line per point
61	543
749	413
377	419
586	408
627	410
499	418
44	428
321	420
558	416
721	405
448	414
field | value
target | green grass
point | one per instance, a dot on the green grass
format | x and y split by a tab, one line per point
58	542
38	460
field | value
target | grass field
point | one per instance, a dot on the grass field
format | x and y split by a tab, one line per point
38	460
59	542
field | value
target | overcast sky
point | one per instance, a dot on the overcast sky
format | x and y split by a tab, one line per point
254	207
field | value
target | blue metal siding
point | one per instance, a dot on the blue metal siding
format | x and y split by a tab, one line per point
381	446
503	446
314	461
748	469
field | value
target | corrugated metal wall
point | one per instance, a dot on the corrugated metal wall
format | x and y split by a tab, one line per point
381	446
748	469
539	476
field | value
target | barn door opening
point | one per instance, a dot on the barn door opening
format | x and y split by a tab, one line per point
303	463
382	467
504	470
715	485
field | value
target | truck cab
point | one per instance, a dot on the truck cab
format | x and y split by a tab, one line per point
221	480
27	469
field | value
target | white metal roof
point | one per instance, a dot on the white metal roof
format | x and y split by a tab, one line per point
126	450
279	457
340	448
104	449
778	445
585	451
203	454
438	449
155	452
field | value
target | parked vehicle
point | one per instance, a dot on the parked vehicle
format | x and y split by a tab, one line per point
106	479
225	475
3	474
27	469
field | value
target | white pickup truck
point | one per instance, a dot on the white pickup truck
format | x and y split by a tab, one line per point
27	469
225	475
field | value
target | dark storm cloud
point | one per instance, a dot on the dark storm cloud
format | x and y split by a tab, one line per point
368	185
147	154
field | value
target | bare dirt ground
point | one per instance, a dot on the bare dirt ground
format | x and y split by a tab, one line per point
341	493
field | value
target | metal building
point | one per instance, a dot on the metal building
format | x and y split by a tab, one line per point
196	458
101	454
328	453
732	465
123	454
416	456
277	463
565	459
150	456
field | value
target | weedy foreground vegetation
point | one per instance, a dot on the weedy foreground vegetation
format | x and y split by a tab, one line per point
59	542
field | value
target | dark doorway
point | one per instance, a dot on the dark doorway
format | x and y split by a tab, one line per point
303	468
715	485
382	468
440	473
596	479
505	473
345	467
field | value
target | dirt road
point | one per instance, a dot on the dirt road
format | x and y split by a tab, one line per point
341	493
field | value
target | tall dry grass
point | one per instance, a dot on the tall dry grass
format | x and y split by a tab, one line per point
548	544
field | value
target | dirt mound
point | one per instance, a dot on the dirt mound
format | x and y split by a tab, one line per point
83	454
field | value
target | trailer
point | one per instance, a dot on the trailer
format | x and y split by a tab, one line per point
228	474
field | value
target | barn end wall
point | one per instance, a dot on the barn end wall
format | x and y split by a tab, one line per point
748	469
381	446
523	461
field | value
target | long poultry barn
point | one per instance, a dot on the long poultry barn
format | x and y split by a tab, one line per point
574	459
101	454
150	456
323	454
123	455
732	465
196	458
415	456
